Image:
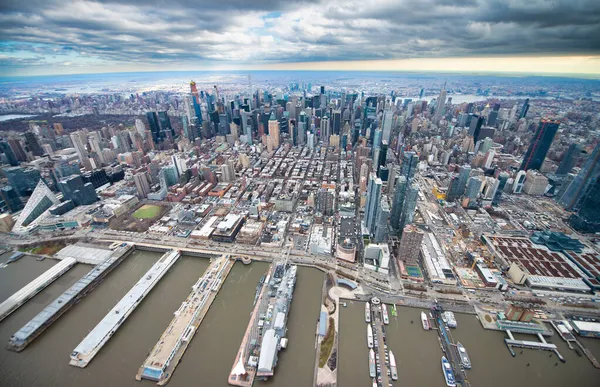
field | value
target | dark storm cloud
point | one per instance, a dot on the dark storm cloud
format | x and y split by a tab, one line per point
242	31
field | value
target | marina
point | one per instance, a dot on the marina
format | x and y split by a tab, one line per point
37	325
95	340
166	354
34	287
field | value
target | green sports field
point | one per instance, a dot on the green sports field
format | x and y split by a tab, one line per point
147	211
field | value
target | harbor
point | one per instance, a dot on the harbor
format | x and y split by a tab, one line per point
166	354
95	340
37	325
35	286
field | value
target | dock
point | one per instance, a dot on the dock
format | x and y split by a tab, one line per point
83	354
166	354
240	374
37	325
541	345
380	347
34	287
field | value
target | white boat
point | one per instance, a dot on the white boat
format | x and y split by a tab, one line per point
369	336
384	312
450	320
367	312
425	321
374	383
393	366
464	356
372	363
448	373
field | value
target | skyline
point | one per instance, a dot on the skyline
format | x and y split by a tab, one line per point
437	35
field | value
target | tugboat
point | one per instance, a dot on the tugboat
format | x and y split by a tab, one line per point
425	321
448	373
368	312
464	357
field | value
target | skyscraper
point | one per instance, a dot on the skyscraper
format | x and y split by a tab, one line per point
502	179
540	144
581	184
32	144
8	152
398	203
381	222
410	161
152	118
373	201
386	124
524	109
475	126
472	192
41	199
141	184
587	216
569	159
441	102
458	183
11	200
23	180
274	130
79	140
410	245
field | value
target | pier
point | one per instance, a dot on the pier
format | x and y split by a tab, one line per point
166	354
34	287
242	375
541	345
449	347
95	340
379	345
37	325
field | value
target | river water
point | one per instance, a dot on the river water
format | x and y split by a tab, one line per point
418	355
209	357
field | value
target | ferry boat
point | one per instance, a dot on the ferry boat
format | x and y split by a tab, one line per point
464	356
367	312
449	319
393	366
384	312
448	373
425	321
369	336
371	363
15	257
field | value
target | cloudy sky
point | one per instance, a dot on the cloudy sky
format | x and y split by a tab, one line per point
81	36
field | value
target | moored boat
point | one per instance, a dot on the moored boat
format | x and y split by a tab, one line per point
393	367
367	312
448	373
384	312
425	321
371	363
369	336
450	320
464	356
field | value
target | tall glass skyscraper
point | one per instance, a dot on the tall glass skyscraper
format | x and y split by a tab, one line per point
587	177
569	159
540	143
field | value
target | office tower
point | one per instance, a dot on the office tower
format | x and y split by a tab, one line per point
381	161
97	177
79	143
485	145
141	184
491	187
587	216
377	139
381	222
170	172
540	144
165	124
441	102
8	152
492	118
325	201
535	183
475	126
96	147
410	161
79	192
152	118
10	199
398	203
485	132
373	200
58	128
228	171
15	144
569	159
519	181
23	180
386	124
457	185
180	164
337	122
473	189
32	144
587	176
409	206
410	245
502	180
324	130
524	109
140	126
274	130
41	200
489	158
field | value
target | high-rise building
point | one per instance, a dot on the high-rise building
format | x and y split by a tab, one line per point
228	171
373	200
325	201
398	203
79	140
386	124
535	183
587	216
475	126
274	130
457	185
15	144
410	245
409	207
79	192
58	128
473	190
23	180
569	159
587	176
524	109
33	144
141	184
337	122
41	200
8	152
540	144
441	103
152	118
410	161
502	180
10	201
381	222
140	126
